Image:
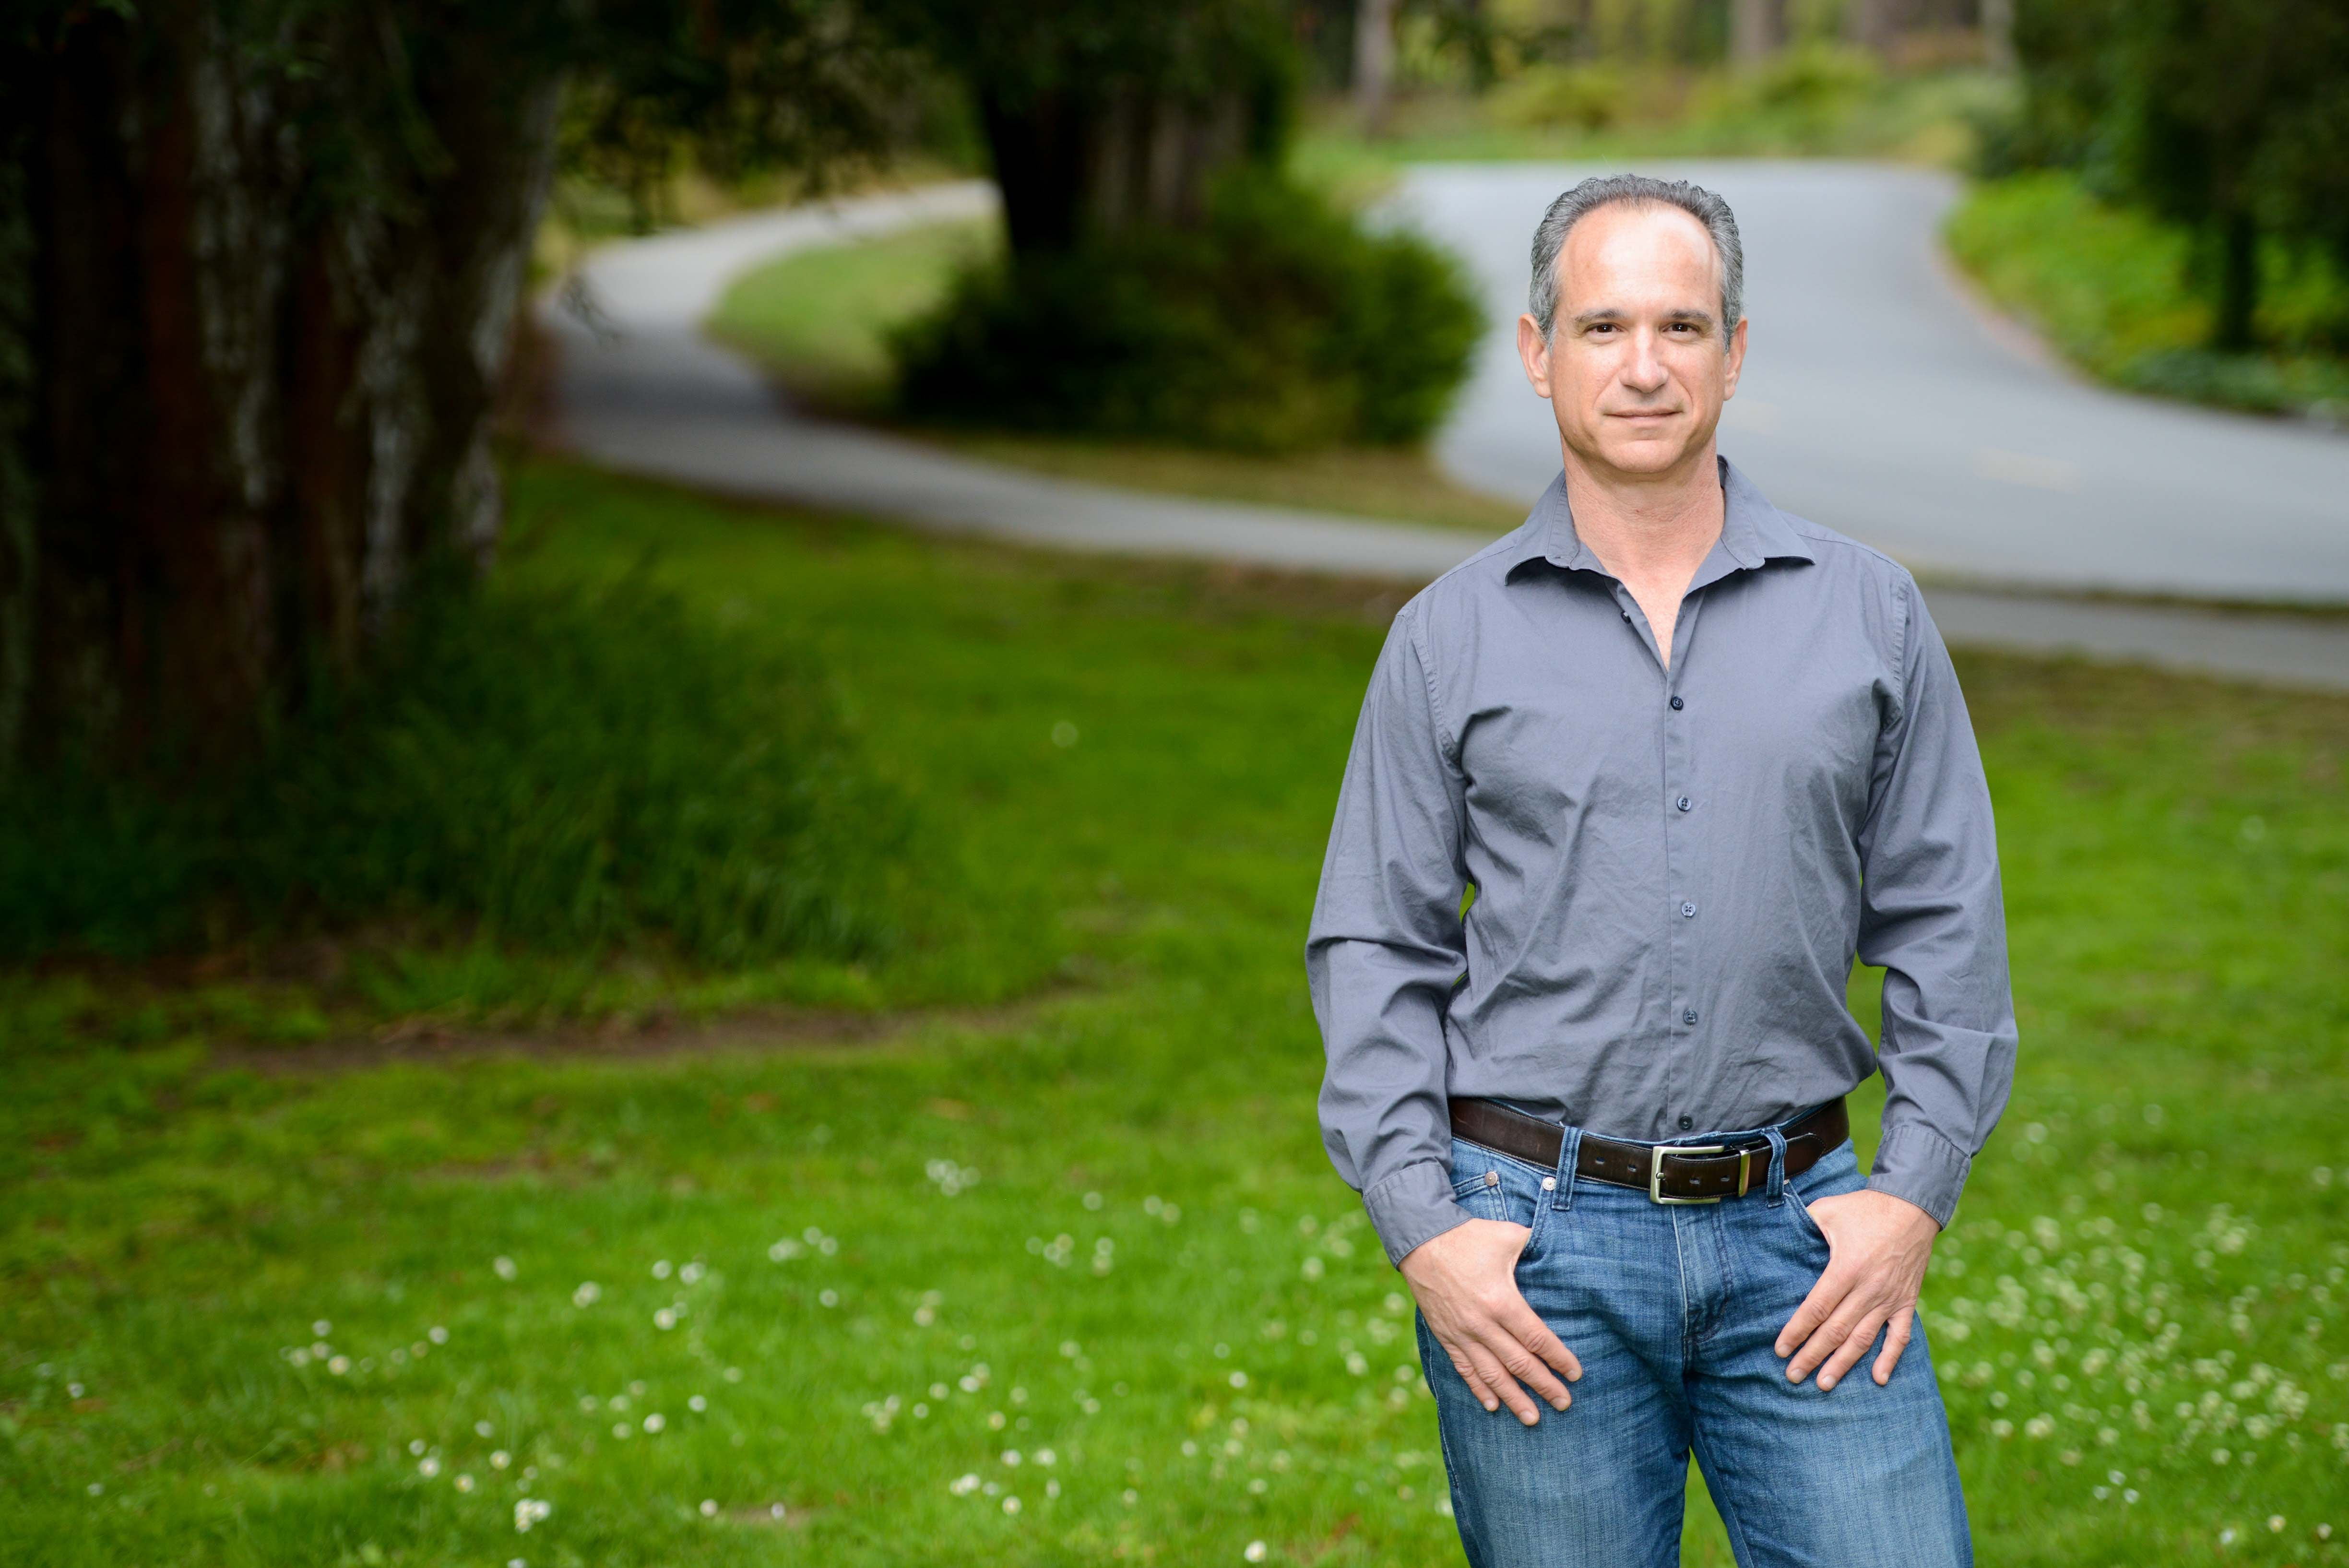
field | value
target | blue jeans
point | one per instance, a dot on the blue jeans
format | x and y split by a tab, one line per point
1674	1311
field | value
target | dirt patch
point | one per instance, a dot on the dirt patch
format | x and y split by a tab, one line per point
423	1042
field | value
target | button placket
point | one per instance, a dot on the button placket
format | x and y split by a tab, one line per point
1681	850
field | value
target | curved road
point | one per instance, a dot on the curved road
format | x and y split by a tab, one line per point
1878	400
1926	436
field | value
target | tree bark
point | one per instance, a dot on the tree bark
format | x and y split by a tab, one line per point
1073	165
1757	29
2239	283
260	353
1998	33
1374	63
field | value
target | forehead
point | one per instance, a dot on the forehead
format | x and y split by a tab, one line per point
1646	248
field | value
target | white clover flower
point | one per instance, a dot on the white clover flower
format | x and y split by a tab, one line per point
437	1335
661	1268
501	1459
587	1294
697	1404
691	1274
464	1483
504	1268
428	1467
709	1508
530	1511
340	1364
1254	1552
963	1485
1238	1380
664	1319
1010	1505
656	1422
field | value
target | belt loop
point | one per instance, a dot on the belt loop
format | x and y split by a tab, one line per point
1569	1152
1778	1189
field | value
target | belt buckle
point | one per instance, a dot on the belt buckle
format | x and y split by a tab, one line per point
1656	1169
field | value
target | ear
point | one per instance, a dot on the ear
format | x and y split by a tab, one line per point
1736	358
1533	349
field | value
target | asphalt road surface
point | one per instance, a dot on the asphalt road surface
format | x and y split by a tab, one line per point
639	389
1879	401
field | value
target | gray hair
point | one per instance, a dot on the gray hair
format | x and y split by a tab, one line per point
1640	190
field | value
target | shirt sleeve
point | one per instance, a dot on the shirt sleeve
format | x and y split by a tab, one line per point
1386	950
1931	915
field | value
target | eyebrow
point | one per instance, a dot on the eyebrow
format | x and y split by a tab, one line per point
1609	313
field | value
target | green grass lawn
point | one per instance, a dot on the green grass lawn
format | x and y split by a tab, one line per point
818	321
2112	289
1029	1253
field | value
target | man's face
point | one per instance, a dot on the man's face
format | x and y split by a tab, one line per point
1635	366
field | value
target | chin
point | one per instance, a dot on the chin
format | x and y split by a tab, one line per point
1656	455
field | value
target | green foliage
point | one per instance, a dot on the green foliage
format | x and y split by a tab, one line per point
2229	116
559	768
1279	323
2109	285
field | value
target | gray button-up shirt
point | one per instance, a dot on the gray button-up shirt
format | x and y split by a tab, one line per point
1672	867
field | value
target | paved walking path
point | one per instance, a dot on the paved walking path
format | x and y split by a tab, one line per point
641	389
1875	401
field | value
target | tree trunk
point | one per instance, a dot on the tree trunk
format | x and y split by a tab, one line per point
260	356
1998	33
2239	283
1757	29
1870	23
1374	62
1075	165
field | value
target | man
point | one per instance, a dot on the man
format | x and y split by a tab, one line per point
1692	755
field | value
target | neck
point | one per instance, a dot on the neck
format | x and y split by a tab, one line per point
1639	524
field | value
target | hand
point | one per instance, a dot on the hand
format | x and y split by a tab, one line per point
1466	1284
1877	1247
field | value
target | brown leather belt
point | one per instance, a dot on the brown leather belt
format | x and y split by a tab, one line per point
1669	1173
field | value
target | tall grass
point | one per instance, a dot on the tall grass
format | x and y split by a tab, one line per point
559	766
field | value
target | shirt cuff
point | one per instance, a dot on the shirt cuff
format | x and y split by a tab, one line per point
1412	1206
1919	1164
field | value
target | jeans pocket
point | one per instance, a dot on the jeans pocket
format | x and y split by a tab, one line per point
1495	1186
1482	1195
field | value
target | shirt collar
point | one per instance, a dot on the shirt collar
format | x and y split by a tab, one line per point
1752	532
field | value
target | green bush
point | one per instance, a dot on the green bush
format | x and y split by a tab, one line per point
1593	97
553	767
2113	287
1278	324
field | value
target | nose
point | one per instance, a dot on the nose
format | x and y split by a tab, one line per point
1644	370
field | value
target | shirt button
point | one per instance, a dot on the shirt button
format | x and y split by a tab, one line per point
1689	1016
1687	1122
1678	704
1683	803
1689	909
